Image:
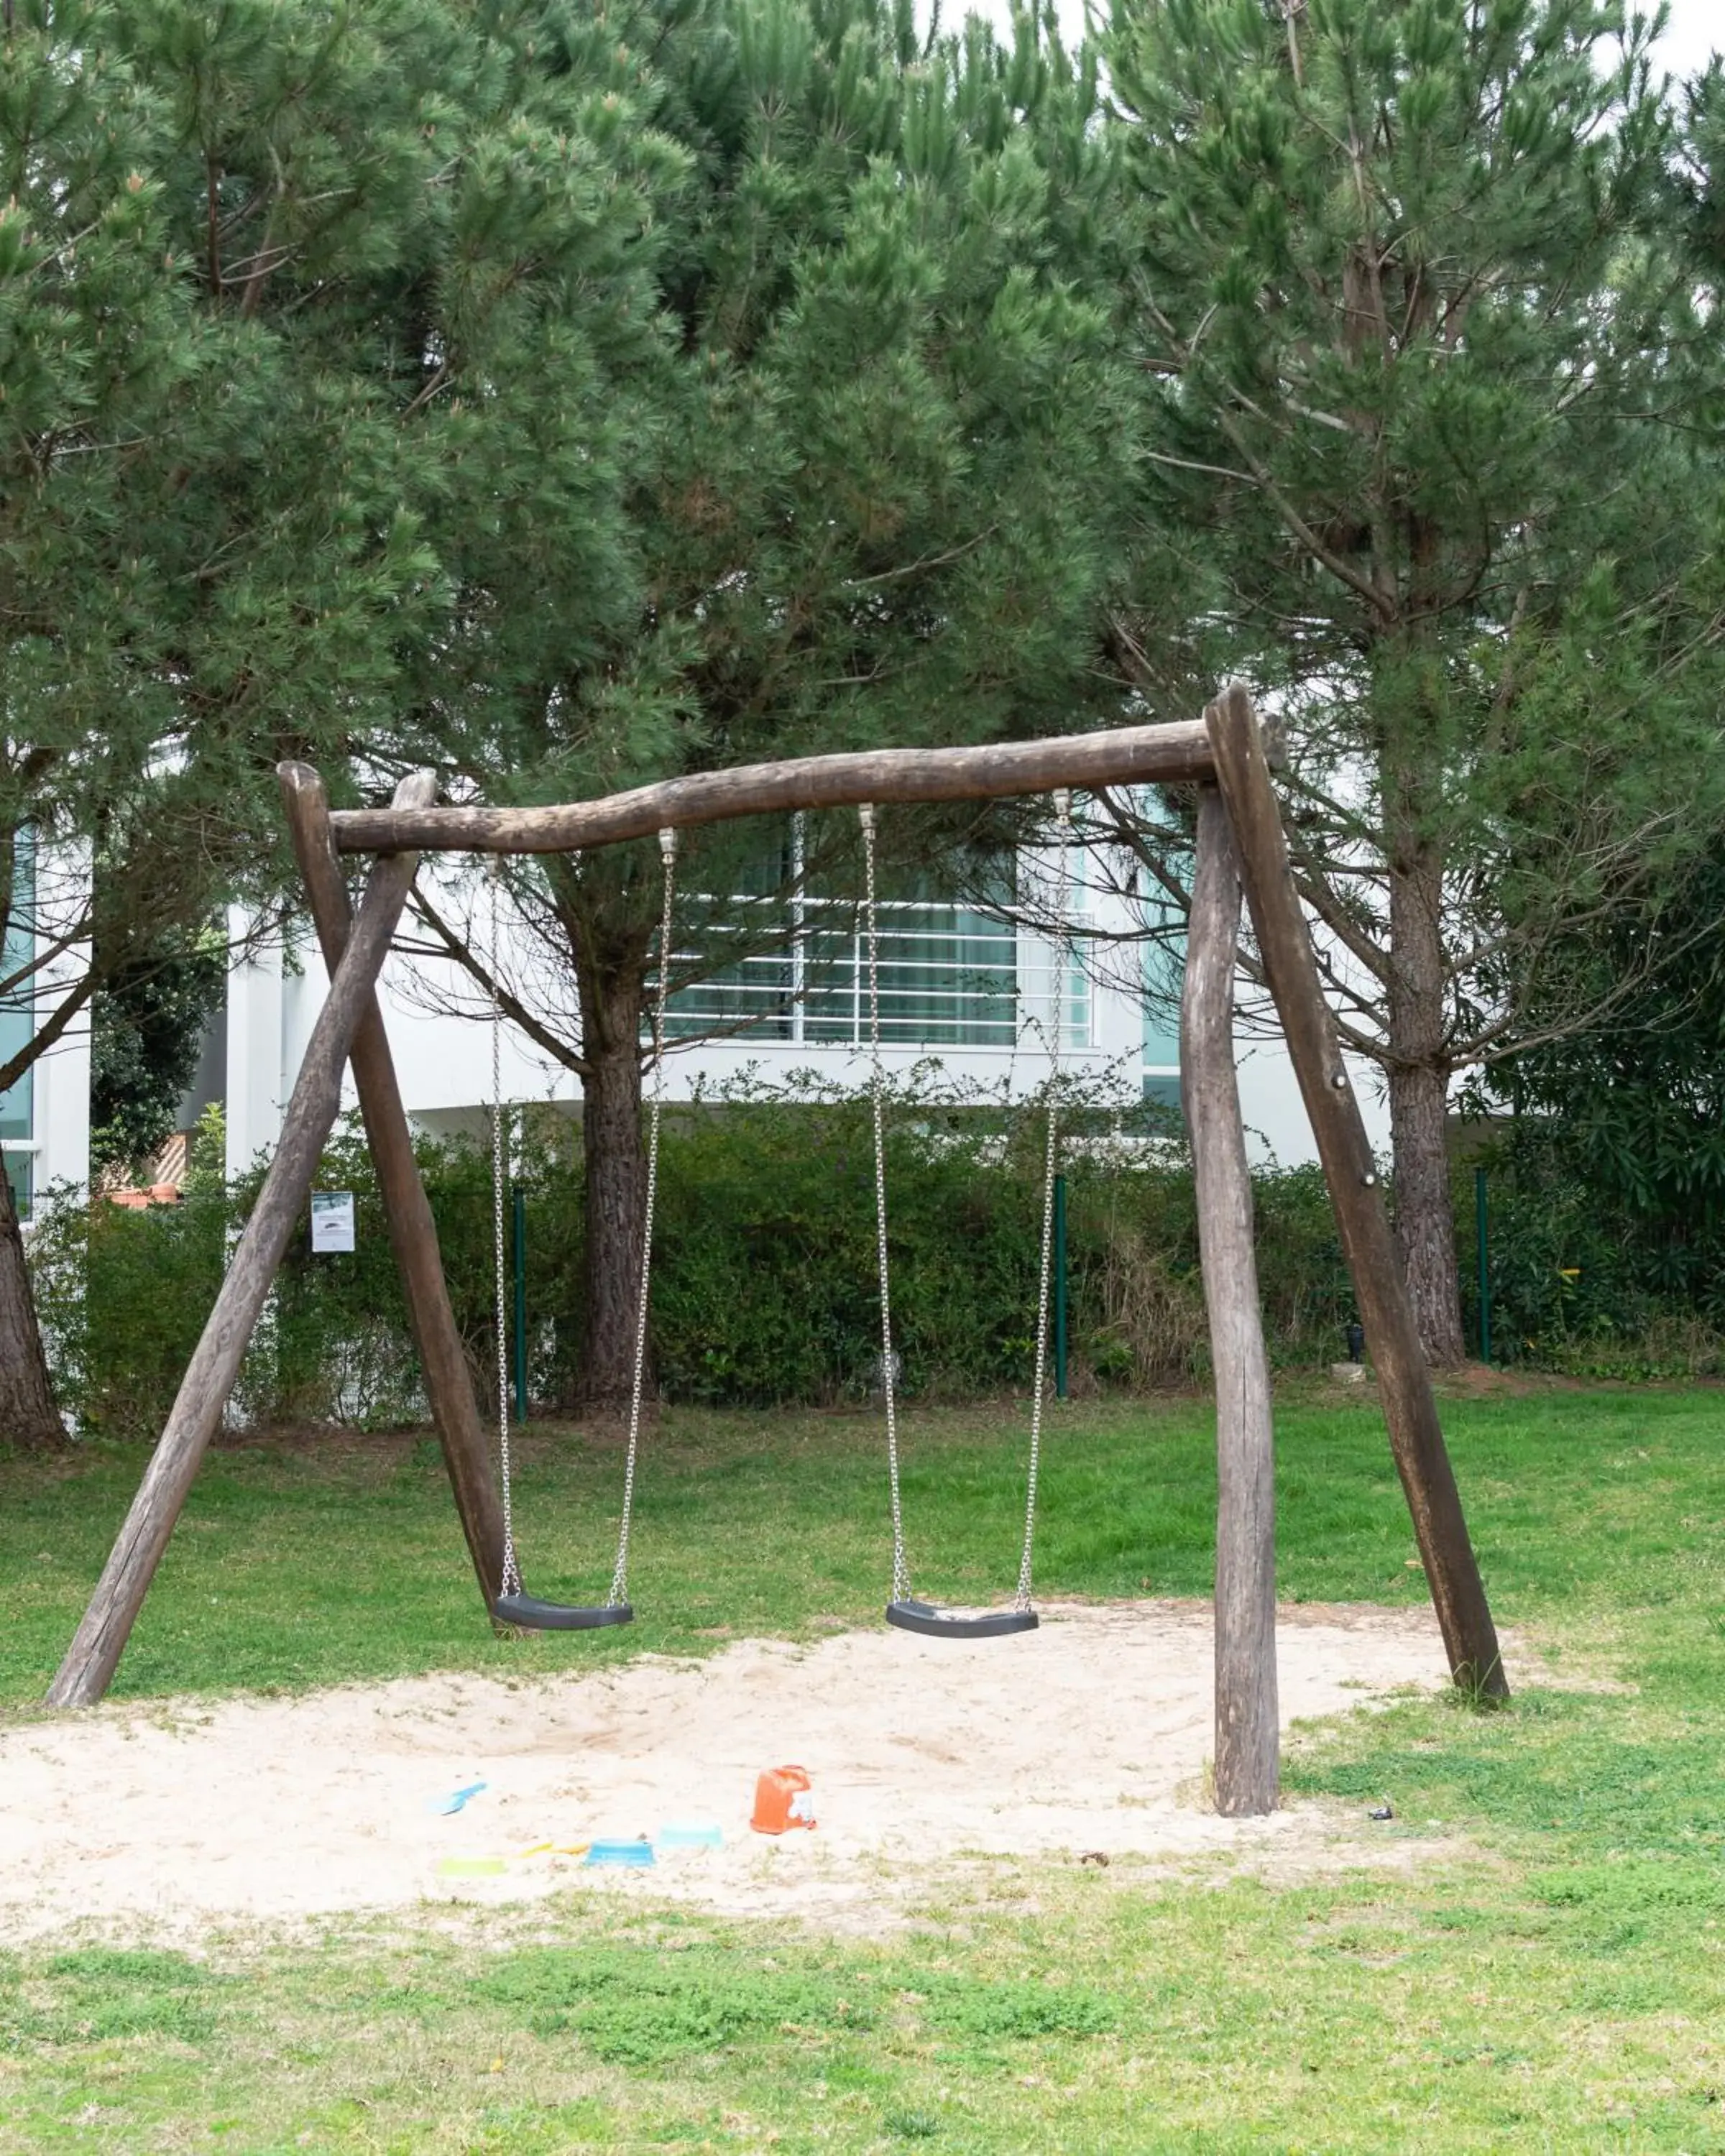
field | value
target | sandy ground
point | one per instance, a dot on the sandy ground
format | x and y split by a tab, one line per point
1090	1735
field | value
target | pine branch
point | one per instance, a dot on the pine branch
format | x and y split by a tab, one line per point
456	946
45	1036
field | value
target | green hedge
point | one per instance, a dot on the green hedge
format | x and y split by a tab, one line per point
764	1269
1582	1285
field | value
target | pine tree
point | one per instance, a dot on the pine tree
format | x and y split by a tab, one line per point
205	560
93	344
1633	1101
781	431
1409	290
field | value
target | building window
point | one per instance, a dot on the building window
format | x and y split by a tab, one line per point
949	977
1164	971
755	995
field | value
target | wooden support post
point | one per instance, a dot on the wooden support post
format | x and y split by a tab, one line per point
101	1639
413	1232
1247	1751
1416	1437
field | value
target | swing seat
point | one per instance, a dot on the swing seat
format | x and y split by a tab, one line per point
913	1616
533	1615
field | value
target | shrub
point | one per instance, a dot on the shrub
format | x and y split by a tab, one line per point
764	1274
1584	1286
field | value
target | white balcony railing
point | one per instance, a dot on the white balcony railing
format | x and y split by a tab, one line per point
949	977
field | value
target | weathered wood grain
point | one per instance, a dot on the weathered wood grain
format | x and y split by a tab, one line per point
1248	1741
1124	755
100	1640
412	1231
1416	1436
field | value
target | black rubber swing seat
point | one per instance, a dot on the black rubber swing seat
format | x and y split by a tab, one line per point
533	1615
935	1623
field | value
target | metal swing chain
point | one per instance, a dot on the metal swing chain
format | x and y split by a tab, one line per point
901	1569
511	1570
620	1578
1062	960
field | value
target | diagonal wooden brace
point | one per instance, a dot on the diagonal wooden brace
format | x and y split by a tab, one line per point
1416	1437
101	1639
413	1232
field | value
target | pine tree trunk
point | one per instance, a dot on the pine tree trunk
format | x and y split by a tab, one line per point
1419	1100
616	1184
28	1416
1425	1224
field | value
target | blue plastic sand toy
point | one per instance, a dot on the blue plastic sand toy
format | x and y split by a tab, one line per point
454	1800
692	1834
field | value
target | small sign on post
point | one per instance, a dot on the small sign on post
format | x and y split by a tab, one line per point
331	1220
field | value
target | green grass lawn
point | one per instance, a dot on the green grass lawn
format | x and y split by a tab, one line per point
1554	1978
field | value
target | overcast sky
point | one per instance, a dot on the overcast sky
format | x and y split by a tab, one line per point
1695	33
1694	36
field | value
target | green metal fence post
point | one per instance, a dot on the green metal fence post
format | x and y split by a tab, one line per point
1059	1286
519	1197
1482	1256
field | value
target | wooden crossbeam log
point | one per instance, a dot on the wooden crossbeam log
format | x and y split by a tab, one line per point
1124	756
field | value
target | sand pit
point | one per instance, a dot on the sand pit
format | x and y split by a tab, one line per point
1090	1734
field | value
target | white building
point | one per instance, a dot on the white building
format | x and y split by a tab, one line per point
962	989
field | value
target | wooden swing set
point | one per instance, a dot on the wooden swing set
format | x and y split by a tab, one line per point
1240	848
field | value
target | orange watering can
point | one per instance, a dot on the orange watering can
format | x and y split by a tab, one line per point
782	1800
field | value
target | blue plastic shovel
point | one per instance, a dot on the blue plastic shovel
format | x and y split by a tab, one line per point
454	1800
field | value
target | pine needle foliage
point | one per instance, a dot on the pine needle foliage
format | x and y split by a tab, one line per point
1434	416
